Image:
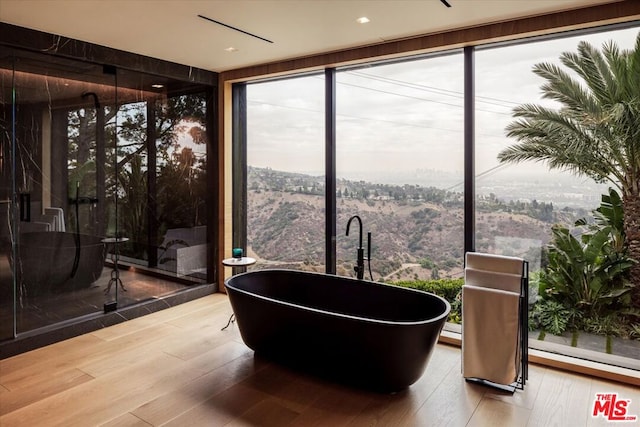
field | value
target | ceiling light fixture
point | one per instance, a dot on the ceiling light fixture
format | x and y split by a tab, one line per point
157	86
362	20
231	49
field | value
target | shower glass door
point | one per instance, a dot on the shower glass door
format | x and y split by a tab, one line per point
58	125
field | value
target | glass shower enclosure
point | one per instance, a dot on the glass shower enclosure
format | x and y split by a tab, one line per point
57	188
98	166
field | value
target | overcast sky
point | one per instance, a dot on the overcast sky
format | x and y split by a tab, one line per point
404	116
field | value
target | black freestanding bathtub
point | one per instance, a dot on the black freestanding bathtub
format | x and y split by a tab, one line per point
364	333
47	261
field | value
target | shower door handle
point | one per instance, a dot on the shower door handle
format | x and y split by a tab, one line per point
25	207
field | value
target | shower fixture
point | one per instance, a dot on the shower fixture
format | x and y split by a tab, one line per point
96	103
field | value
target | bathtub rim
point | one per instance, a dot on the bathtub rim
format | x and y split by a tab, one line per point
436	319
95	240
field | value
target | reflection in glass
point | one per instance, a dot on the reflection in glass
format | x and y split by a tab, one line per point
74	169
57	140
162	183
181	186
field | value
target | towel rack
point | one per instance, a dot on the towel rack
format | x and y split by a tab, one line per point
495	330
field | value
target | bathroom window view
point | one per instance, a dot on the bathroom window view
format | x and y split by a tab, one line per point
526	210
285	173
78	139
399	153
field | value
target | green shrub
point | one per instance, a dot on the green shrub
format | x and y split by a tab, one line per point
449	289
455	316
634	331
427	263
610	325
590	272
446	288
550	316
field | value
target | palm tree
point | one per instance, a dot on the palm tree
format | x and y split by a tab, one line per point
596	130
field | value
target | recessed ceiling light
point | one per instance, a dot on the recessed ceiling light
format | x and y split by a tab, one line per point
157	86
362	20
231	49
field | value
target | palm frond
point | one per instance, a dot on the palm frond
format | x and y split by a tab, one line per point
559	141
549	123
615	63
596	130
561	87
584	63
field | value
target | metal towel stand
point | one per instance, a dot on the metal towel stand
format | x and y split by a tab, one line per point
523	336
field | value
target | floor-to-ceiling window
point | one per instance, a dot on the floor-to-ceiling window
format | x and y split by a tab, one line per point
399	162
399	150
285	173
518	205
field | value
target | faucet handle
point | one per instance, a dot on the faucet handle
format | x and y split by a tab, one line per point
358	270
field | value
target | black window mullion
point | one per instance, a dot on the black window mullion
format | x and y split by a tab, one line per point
152	187
469	151
330	170
239	166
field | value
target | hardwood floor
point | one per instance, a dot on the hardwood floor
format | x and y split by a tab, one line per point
177	368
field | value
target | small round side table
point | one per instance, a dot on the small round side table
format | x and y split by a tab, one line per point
236	262
115	255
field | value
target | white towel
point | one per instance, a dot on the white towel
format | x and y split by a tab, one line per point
59	214
495	263
489	279
52	220
490	334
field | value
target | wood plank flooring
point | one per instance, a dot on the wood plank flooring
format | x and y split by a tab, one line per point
177	368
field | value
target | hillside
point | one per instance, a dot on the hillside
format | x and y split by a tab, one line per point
415	230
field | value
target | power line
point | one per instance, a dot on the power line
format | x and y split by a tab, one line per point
399	94
250	101
360	117
483	174
439	91
417	98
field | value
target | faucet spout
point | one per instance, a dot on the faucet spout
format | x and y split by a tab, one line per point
359	268
360	229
